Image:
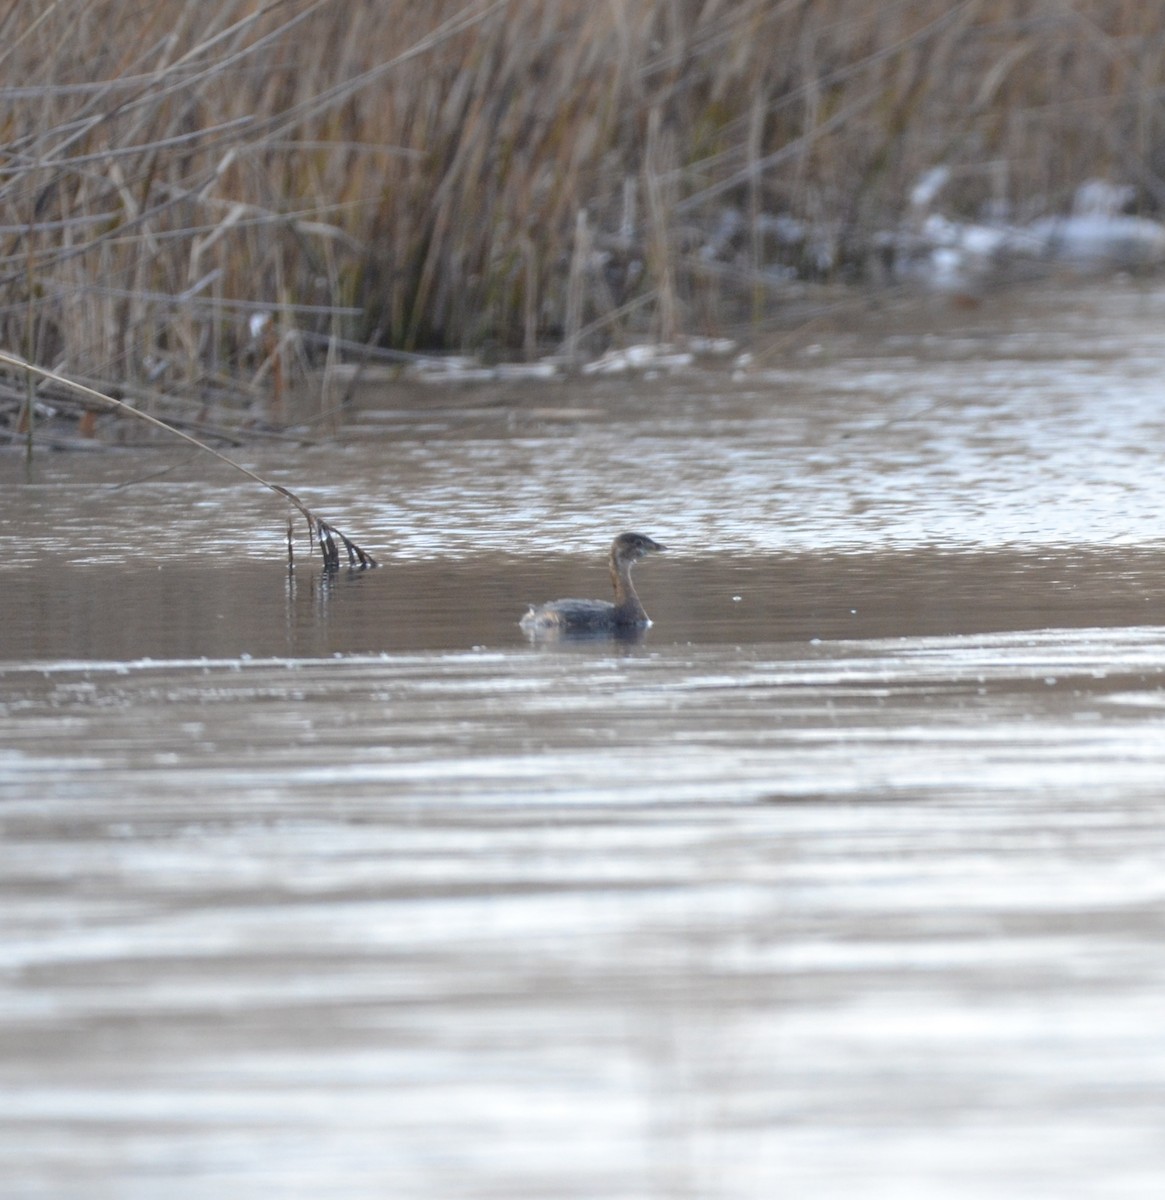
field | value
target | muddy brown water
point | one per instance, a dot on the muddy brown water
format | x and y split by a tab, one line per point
844	880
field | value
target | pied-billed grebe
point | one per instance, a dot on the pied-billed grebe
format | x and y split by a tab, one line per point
600	616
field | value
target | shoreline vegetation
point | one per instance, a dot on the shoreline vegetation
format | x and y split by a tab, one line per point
203	205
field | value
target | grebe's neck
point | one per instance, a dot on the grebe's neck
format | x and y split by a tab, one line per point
627	603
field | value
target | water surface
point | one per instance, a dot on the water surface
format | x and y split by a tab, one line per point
844	880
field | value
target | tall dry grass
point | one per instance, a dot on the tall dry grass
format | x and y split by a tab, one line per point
514	172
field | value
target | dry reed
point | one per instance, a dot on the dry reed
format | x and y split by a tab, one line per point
198	198
321	532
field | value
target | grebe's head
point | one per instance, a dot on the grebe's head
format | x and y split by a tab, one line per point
630	547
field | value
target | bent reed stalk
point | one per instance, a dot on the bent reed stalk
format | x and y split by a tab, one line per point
319	530
516	174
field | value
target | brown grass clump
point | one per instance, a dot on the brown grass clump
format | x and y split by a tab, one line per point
196	197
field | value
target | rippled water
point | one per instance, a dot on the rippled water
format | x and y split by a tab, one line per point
845	880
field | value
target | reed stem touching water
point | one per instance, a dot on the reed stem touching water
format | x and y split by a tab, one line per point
319	530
